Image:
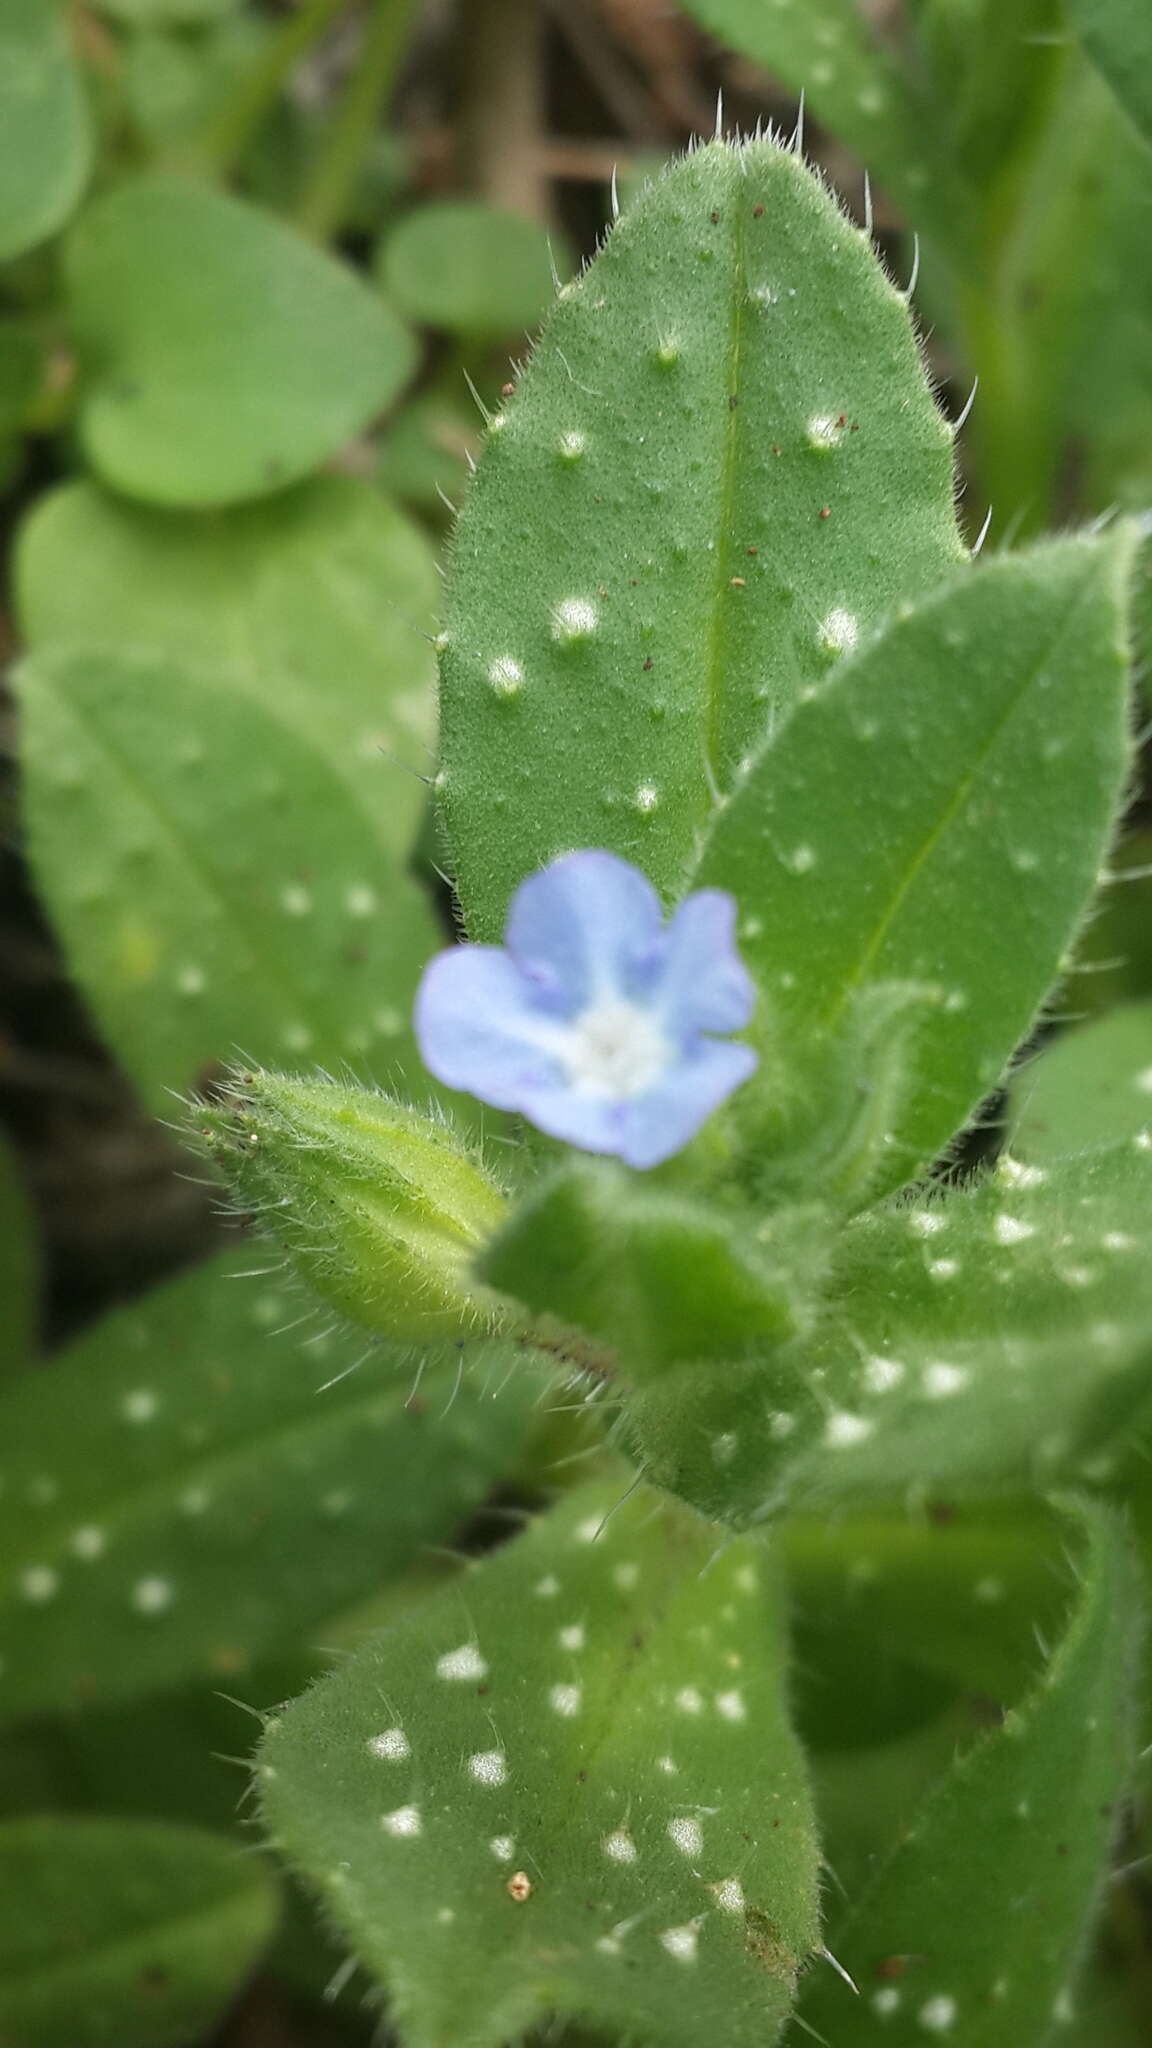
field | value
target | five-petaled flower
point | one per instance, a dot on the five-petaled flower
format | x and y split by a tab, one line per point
593	1019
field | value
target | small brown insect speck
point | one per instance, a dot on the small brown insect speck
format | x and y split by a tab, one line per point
715	218
647	662
892	1966
506	390
737	583
757	213
825	511
752	551
519	1886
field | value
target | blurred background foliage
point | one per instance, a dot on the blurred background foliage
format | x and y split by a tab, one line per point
264	265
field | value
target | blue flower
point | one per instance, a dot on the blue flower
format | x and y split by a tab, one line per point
592	1019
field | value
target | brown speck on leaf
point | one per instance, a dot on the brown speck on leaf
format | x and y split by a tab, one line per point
519	1886
506	390
776	448
737	583
825	511
647	662
715	219
733	402
757	212
892	1966
752	551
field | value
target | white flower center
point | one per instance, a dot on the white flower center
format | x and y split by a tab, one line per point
615	1049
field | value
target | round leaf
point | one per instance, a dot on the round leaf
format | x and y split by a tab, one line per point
45	133
224	355
469	268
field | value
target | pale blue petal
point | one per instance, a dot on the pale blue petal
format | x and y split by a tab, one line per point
704	985
587	925
660	1123
595	1123
475	1019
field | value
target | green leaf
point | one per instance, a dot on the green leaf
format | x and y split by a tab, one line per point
995	1339
975	1927
1118	37
155	13
123	1934
19	1277
895	1614
853	83
470	268
654	1276
231	898
181	1495
643	575
316	604
224	356
570	1785
425	453
45	131
974	753
1090	1088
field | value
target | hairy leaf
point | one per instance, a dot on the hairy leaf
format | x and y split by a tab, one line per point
224	356
851	80
196	1482
992	1339
570	1785
228	897
721	466
123	1934
973	753
975	1927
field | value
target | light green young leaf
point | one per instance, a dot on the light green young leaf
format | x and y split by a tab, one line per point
655	1277
316	604
976	752
995	1339
569	1785
197	1482
45	130
1118	37
224	356
975	1928
470	268
1090	1088
227	900
123	1932
19	1277
722	465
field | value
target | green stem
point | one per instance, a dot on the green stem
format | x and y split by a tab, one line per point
235	121
332	178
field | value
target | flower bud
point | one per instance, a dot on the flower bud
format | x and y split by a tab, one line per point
380	1208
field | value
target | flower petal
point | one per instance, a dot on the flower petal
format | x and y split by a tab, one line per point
660	1123
704	985
583	929
479	1027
